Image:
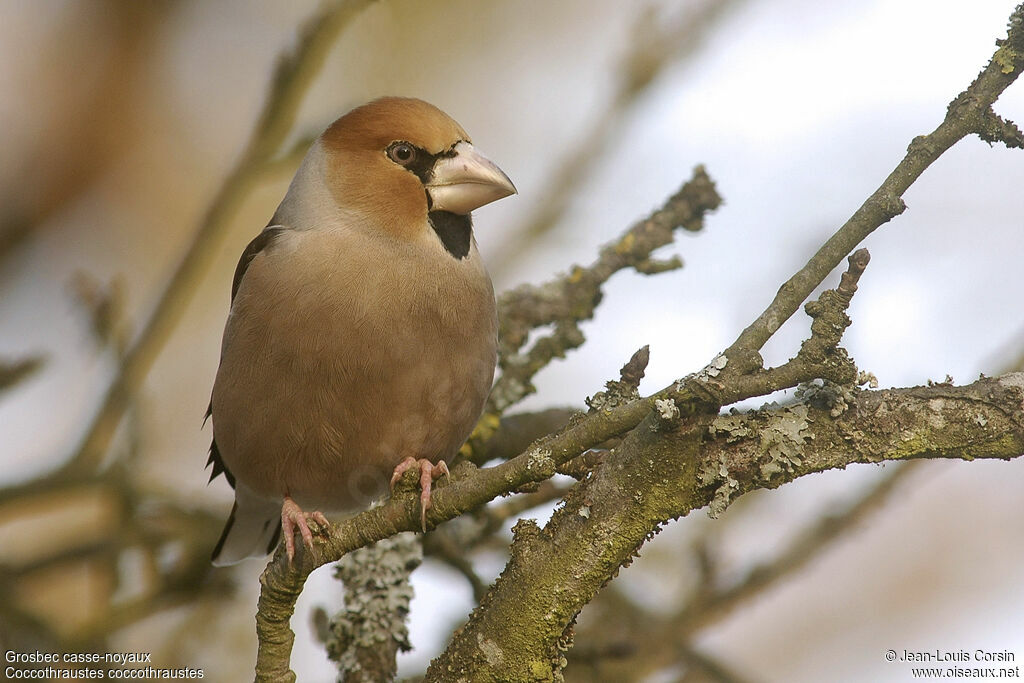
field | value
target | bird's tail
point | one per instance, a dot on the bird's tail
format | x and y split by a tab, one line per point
252	530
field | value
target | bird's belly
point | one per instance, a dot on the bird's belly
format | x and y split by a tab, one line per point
326	417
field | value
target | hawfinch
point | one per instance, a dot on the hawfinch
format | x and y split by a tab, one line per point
362	336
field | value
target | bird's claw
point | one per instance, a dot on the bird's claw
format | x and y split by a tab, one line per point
428	473
293	517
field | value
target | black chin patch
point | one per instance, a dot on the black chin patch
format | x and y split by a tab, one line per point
454	230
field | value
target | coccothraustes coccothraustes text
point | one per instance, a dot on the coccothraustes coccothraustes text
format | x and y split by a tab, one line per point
362	335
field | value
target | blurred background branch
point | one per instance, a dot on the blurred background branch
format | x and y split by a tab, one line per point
168	540
656	44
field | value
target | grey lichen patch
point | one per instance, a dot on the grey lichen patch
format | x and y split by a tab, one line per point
826	395
540	462
601	401
734	426
614	395
781	435
1014	379
706	374
666	408
935	418
712	472
377	597
714	368
668	414
491	651
716	471
782	441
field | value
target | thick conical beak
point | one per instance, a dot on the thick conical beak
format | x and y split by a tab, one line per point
466	181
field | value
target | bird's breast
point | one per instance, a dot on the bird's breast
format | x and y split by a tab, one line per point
342	357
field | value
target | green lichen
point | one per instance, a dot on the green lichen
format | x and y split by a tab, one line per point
1005	58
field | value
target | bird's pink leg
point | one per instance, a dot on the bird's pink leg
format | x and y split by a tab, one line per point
292	517
428	473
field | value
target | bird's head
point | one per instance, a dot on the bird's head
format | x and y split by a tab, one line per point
395	160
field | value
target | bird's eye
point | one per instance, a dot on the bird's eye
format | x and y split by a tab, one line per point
401	153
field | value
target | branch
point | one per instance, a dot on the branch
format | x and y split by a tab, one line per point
665	468
15	371
658	475
365	636
469	489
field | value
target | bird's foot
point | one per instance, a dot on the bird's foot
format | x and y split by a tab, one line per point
293	517
428	473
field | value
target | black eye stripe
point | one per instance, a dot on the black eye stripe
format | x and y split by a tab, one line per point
422	163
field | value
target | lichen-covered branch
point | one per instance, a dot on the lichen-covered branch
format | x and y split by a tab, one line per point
365	636
470	488
661	472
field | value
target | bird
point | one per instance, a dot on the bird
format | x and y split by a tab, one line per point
361	338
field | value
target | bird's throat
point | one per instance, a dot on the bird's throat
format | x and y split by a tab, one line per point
454	230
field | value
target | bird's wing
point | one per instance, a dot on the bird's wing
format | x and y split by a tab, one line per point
258	244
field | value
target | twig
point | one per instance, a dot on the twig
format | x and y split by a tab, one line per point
15	371
709	668
607	518
970	113
572	298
